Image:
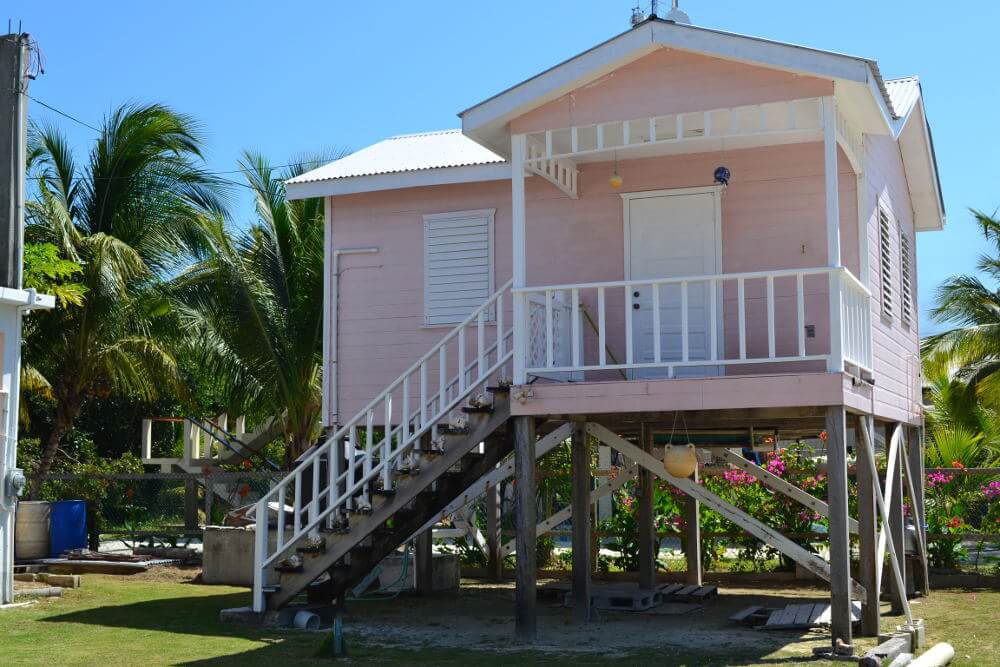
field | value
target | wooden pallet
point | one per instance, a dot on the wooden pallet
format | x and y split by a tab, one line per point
791	617
691	593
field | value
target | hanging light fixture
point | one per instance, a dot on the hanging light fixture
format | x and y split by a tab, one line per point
616	180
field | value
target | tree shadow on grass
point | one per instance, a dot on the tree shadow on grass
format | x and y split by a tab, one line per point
195	615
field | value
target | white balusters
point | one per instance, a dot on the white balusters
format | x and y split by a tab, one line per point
385	461
548	329
628	323
742	309
602	335
713	317
369	453
657	331
800	313
770	317
575	333
685	342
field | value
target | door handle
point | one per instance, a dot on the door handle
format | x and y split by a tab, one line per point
635	306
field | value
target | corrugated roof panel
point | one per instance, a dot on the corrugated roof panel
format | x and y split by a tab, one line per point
903	94
411	152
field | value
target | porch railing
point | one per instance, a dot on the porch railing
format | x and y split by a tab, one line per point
698	324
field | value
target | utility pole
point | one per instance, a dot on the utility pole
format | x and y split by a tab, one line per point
14	301
13	154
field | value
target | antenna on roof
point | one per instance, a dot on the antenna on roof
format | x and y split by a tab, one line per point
675	14
638	16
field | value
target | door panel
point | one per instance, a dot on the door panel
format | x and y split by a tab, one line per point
671	236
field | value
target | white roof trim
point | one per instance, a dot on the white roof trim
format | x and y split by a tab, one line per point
398	180
486	121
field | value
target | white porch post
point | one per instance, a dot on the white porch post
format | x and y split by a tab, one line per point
518	145
832	182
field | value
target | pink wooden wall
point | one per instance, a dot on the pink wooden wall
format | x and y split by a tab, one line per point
772	218
668	81
896	348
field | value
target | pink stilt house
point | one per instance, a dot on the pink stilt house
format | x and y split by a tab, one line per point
678	222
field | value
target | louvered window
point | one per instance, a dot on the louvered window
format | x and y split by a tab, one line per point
458	264
885	264
906	280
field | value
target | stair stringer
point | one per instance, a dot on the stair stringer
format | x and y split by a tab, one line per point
385	541
408	487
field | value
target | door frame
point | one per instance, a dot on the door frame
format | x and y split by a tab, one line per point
716	192
627	197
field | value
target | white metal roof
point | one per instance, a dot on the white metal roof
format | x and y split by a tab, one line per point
410	152
903	94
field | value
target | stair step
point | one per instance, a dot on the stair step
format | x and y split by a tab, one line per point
312	549
451	430
288	569
271	588
478	409
384	492
499	389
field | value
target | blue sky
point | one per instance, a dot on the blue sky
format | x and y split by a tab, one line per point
300	77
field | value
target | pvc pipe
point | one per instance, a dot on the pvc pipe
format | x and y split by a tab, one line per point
306	620
331	320
936	656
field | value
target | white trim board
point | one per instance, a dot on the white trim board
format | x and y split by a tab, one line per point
398	180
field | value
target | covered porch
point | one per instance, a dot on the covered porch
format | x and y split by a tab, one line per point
713	279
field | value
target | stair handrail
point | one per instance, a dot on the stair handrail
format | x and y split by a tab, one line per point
365	418
213	433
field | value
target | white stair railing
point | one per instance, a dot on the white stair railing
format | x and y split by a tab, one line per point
391	428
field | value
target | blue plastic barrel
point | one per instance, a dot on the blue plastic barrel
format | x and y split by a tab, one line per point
67	526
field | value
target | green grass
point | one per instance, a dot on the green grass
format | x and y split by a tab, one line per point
125	621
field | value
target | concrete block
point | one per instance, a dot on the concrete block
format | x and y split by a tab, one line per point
62	580
227	554
446	572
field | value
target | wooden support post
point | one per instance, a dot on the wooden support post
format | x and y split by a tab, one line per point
867	540
918	509
692	537
525	620
494	566
424	549
840	537
644	519
896	528
581	522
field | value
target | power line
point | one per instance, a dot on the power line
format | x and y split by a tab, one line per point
209	173
62	113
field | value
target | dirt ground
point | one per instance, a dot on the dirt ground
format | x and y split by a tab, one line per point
481	614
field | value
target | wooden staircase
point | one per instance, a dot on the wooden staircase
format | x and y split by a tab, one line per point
391	468
348	549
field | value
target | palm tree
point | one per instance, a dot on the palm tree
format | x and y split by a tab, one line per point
973	346
254	305
125	217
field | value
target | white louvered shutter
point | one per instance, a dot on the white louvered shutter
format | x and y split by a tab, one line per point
458	264
885	263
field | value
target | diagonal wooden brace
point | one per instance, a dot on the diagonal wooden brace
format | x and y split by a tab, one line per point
565	513
869	451
772	481
761	531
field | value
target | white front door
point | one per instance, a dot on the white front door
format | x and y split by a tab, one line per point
670	235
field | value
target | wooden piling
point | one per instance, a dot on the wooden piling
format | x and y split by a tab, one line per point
525	618
644	519
581	522
867	540
840	544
